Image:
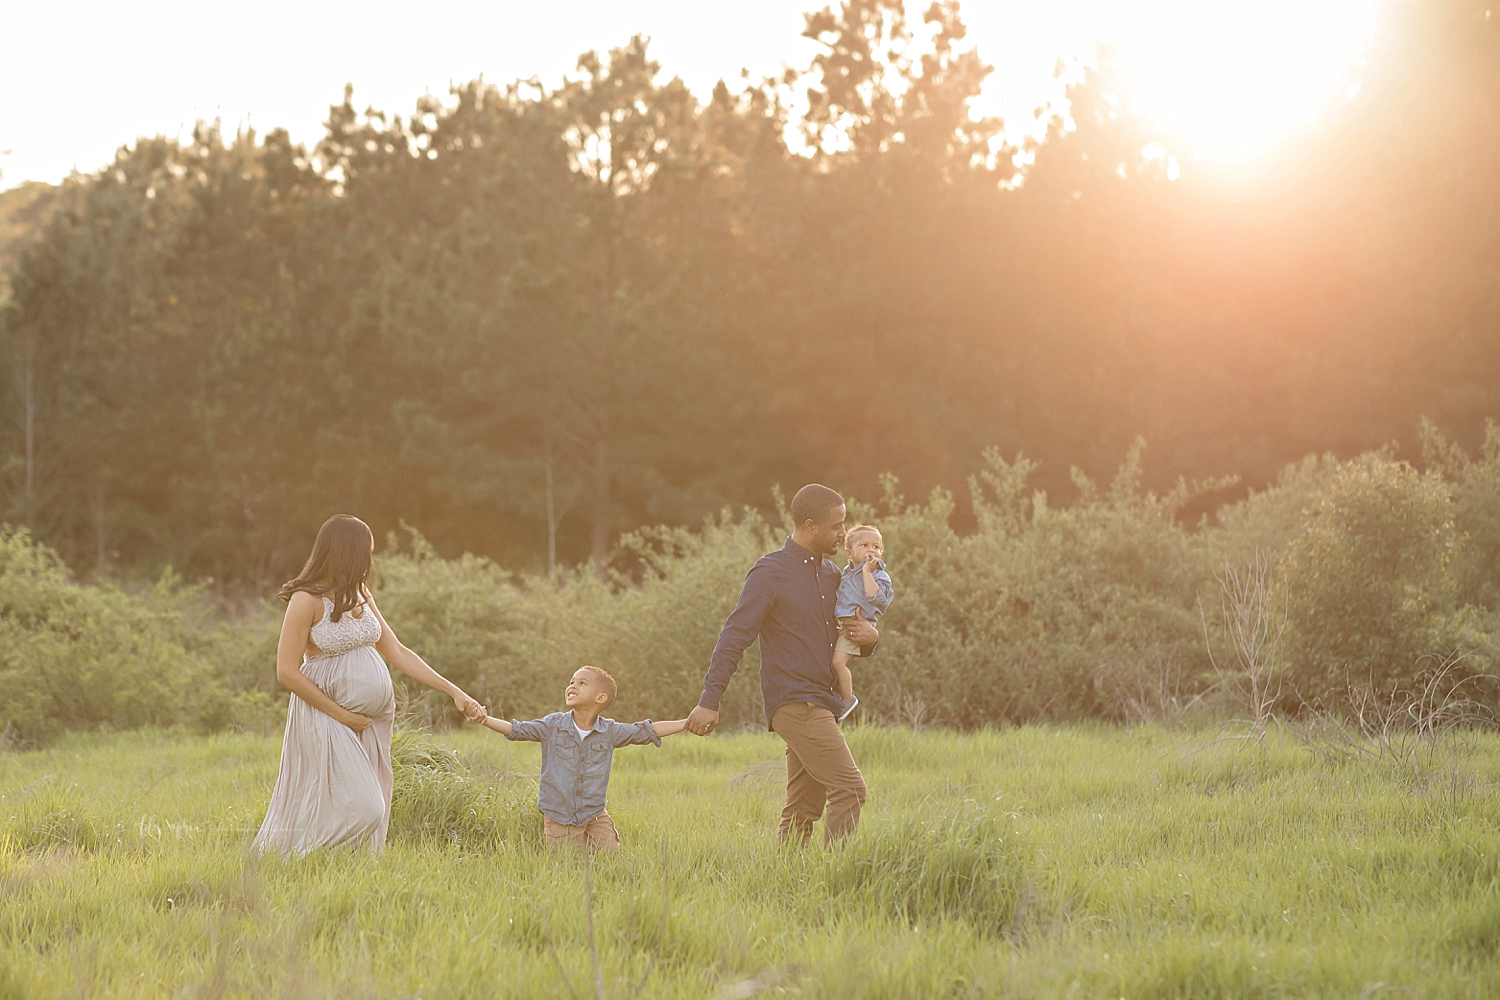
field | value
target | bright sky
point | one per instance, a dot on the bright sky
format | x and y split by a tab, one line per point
79	79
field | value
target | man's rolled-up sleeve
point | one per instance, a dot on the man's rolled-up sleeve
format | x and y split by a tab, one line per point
739	631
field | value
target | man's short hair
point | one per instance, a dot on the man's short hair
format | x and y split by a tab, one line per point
606	682
812	503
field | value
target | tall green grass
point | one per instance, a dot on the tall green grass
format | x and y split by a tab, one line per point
1085	862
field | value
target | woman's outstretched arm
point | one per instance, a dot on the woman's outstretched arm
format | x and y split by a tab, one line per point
413	666
302	613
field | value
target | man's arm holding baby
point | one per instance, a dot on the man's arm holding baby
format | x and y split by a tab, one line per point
862	632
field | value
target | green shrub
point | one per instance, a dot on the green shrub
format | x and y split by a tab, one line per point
84	657
468	619
1476	512
239	644
1270	519
1370	582
1041	613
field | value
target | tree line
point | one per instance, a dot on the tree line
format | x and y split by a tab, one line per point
525	319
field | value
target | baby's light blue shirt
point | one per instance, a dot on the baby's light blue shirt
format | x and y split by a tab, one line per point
852	594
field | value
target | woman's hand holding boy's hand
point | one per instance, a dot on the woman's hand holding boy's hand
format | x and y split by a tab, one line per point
472	710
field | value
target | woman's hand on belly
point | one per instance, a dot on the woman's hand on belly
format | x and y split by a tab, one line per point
357	722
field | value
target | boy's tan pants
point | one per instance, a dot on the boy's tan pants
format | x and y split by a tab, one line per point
598	834
820	771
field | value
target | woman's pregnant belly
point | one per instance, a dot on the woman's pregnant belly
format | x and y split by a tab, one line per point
356	680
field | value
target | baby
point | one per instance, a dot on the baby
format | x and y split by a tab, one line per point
865	591
577	750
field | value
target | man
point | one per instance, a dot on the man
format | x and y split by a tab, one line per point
788	601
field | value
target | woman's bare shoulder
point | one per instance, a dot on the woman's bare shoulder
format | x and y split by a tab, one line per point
304	603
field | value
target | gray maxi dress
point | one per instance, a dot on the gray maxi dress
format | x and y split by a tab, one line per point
334	788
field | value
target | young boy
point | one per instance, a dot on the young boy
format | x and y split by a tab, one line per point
577	749
865	590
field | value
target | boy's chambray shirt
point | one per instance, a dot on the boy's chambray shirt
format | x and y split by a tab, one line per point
788	601
852	592
575	771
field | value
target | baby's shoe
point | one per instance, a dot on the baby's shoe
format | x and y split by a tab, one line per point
848	707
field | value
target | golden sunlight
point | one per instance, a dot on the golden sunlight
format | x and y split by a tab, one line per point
1231	80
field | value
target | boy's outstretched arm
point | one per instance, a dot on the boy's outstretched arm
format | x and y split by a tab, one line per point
624	734
501	726
669	728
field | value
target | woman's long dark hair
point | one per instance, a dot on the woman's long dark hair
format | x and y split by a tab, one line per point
339	566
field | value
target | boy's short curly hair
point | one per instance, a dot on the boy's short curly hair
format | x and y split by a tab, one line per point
849	535
605	681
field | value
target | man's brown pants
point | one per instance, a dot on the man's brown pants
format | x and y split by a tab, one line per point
820	771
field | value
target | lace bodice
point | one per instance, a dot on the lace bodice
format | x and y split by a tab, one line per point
346	634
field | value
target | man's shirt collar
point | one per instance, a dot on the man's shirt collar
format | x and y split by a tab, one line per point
797	550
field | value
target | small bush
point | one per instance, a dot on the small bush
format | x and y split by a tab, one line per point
439	799
49	818
1370	579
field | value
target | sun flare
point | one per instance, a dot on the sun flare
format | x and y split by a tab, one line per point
1229	81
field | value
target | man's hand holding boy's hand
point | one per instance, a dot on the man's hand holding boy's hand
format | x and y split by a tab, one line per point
701	721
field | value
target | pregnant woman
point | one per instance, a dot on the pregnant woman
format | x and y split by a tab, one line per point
335	782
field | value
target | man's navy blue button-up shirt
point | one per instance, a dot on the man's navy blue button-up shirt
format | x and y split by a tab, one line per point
788	601
575	770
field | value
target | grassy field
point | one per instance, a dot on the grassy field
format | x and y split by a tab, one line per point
1034	862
